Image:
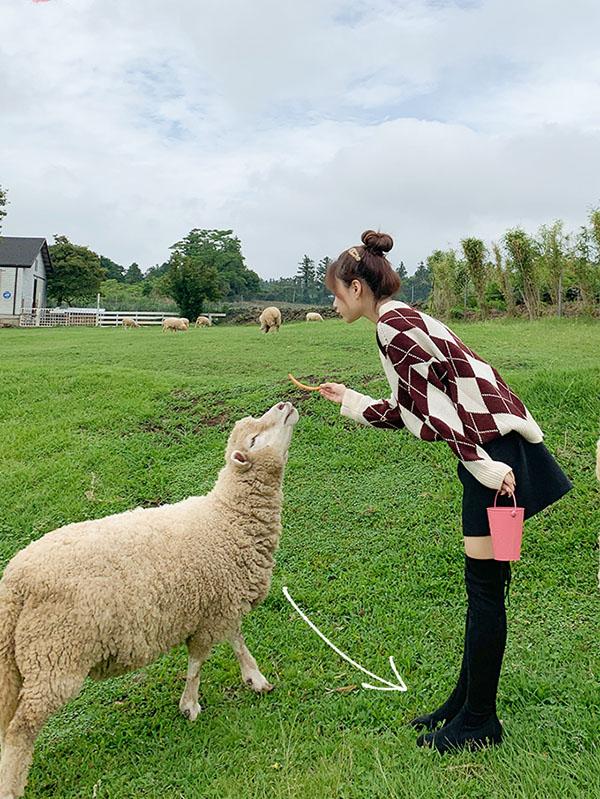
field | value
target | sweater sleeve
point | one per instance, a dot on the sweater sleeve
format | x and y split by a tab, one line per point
365	410
423	377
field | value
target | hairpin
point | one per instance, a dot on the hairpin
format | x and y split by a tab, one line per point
354	253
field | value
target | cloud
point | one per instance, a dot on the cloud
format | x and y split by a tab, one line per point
124	125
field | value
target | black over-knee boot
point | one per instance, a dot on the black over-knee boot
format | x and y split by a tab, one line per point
455	701
477	724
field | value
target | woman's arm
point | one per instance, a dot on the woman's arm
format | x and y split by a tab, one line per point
363	409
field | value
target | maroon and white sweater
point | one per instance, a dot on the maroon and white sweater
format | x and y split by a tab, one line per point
441	390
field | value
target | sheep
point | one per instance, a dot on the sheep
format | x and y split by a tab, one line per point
128	322
270	319
314	317
173	323
203	321
103	597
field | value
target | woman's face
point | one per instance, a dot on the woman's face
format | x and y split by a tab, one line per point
348	300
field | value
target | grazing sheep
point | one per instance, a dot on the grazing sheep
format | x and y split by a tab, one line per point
128	322
173	323
203	321
270	319
314	317
107	596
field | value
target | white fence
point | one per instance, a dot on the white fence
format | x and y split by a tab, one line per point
93	317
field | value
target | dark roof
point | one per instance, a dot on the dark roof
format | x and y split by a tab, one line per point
22	251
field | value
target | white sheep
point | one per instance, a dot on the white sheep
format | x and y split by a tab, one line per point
203	321
314	317
173	323
108	596
270	319
129	321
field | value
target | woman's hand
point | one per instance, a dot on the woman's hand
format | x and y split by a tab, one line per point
333	391
509	484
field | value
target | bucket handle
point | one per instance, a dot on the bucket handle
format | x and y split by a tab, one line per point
514	510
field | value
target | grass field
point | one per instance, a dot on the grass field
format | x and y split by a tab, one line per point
95	421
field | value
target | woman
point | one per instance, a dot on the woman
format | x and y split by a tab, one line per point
442	390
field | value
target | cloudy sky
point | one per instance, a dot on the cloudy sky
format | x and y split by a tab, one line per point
298	124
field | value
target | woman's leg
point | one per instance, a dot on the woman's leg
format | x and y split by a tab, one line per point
476	723
475	547
455	701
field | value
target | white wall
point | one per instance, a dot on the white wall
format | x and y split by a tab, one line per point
25	285
7	284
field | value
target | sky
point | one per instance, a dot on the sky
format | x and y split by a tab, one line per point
123	125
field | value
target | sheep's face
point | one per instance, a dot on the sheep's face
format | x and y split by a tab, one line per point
266	438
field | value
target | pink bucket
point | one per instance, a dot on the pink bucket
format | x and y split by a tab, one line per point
506	528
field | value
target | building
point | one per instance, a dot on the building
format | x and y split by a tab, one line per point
24	265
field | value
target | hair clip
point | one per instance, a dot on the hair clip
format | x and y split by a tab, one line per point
354	253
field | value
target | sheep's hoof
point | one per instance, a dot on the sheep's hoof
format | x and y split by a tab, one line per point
190	710
259	684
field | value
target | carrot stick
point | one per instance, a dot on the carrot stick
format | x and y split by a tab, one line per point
302	385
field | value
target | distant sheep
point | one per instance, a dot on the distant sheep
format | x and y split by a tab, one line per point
175	323
103	597
270	319
128	321
314	317
203	321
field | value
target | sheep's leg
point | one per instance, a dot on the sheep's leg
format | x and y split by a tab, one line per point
198	650
250	672
40	697
10	685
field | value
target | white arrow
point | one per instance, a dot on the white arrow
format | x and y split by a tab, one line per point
389	686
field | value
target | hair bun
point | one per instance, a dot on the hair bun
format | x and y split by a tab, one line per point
376	242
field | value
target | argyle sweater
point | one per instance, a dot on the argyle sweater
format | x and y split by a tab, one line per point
441	390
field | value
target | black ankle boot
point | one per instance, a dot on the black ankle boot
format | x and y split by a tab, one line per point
464	732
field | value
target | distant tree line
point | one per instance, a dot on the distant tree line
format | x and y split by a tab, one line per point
518	273
531	273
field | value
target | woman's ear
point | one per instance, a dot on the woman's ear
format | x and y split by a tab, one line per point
356	287
239	460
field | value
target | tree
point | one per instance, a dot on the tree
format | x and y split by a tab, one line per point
443	267
221	250
474	250
113	271
3	204
193	276
402	271
75	272
553	260
134	274
503	276
306	278
421	283
523	262
320	274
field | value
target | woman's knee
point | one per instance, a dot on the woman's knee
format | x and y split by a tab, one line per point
479	547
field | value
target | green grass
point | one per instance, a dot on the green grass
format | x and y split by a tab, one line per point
97	421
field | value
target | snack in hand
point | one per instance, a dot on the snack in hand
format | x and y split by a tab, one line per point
302	385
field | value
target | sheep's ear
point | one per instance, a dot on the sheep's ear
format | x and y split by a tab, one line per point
239	460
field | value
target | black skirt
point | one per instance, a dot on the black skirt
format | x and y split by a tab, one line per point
540	482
